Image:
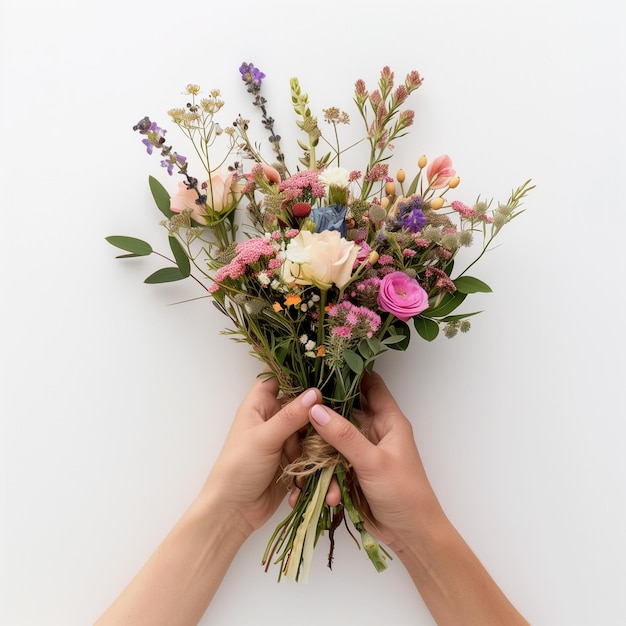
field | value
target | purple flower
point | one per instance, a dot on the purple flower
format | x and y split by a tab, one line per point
410	215
252	76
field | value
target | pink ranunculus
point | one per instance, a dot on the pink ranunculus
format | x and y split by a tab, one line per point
186	199
402	296
221	192
440	171
271	173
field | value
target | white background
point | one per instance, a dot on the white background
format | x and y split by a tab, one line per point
115	404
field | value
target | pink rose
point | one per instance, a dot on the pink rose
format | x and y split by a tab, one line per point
402	296
440	171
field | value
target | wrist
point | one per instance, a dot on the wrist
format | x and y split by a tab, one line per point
213	508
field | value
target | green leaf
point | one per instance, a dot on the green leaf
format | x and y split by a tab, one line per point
165	275
469	284
353	361
182	260
461	316
137	247
448	303
399	336
427	329
161	196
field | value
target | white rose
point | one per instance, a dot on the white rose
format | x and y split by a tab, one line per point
323	259
334	175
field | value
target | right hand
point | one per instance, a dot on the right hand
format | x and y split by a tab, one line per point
387	464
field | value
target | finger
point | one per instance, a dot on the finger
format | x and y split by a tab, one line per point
293	496
290	419
333	495
377	396
342	435
261	400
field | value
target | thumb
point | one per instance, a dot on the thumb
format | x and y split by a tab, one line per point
341	434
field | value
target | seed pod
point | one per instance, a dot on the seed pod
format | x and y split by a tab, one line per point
421	162
436	203
454	182
390	188
401	176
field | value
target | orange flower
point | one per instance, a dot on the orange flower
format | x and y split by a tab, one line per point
292	300
277	307
321	351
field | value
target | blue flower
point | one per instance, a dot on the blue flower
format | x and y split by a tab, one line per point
332	217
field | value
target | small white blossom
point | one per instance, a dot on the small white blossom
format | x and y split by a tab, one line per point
338	176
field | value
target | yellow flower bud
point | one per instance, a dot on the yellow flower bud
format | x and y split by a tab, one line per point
373	257
400	176
421	162
390	188
384	203
454	182
436	203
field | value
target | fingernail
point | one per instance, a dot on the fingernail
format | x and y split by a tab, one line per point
309	398
320	414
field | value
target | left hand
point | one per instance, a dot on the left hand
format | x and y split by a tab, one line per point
262	439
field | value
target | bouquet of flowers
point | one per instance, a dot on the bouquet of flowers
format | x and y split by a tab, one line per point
324	268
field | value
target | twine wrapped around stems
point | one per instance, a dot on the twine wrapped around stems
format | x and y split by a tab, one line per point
316	455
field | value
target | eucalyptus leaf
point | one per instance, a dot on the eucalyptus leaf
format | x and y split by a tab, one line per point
469	284
182	260
399	336
353	361
137	247
161	196
427	329
165	275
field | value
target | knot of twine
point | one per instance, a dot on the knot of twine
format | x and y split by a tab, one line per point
316	455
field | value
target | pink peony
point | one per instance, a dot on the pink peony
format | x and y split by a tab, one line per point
402	296
440	171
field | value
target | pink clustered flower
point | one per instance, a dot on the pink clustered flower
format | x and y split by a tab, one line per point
442	281
294	187
247	252
353	322
464	211
385	259
378	172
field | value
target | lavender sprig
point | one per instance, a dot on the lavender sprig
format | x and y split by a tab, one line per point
253	77
154	137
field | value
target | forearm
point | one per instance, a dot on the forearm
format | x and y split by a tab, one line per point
452	582
176	585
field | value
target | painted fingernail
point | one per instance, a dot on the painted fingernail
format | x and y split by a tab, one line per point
309	398
320	414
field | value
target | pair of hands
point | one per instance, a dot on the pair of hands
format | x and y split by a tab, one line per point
264	437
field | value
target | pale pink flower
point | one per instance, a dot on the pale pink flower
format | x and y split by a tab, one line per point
440	171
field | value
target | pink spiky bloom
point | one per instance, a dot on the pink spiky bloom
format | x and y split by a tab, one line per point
463	209
413	80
